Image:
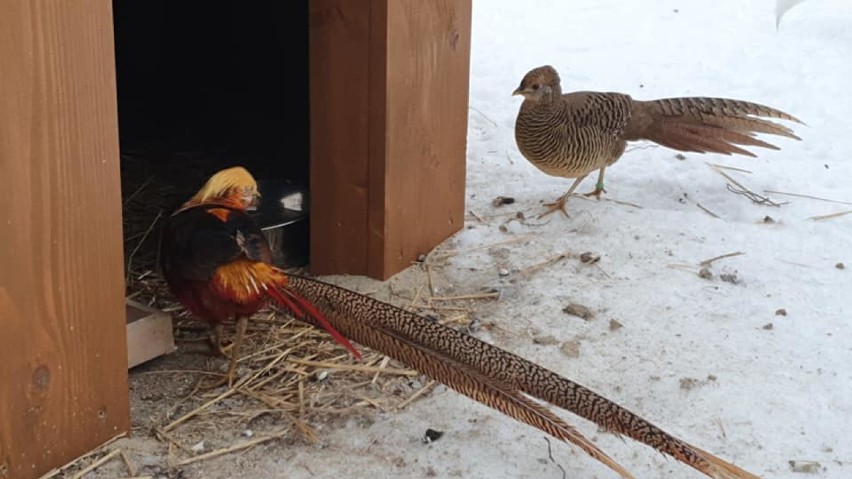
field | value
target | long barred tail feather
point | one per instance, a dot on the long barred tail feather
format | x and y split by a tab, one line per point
495	377
303	309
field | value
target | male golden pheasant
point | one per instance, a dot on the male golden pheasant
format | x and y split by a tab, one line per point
216	262
573	134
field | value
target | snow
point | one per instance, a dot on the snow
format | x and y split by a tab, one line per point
760	397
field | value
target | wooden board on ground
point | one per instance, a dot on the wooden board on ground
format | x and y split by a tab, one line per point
149	333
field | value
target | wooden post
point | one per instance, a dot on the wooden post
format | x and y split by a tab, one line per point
63	356
389	105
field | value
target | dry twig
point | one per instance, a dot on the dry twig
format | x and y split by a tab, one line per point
420	392
706	210
93	452
736	187
236	447
450	253
549	261
808	197
100	462
830	216
708	262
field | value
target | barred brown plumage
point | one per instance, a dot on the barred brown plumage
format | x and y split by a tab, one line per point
570	135
495	377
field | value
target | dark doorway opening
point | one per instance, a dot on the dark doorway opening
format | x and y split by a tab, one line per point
203	86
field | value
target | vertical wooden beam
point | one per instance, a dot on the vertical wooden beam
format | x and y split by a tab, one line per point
340	122
389	98
63	356
428	71
377	227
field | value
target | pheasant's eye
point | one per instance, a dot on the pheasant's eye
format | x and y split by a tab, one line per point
535	86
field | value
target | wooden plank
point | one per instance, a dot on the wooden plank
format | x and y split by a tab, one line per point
428	71
389	96
377	227
62	352
149	333
339	98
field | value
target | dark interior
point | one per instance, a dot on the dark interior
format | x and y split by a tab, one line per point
203	86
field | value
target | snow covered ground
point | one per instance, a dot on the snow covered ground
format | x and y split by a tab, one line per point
712	361
780	394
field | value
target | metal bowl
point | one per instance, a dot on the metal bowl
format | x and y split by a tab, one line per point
282	215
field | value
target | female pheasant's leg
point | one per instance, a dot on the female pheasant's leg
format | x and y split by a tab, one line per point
599	186
559	204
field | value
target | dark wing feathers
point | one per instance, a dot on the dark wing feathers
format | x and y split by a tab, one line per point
198	240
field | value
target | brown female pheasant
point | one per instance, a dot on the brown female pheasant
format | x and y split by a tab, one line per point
573	134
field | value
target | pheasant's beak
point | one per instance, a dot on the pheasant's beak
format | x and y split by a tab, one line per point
518	91
251	199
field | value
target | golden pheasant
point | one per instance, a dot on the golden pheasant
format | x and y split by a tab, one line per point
570	135
216	261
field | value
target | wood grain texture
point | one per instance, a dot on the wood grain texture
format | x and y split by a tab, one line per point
428	71
63	363
149	333
339	104
389	98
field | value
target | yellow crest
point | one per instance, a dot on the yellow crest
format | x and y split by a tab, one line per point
225	183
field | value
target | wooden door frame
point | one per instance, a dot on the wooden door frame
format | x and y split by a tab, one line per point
389	105
63	351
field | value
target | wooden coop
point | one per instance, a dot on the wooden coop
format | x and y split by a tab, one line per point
364	102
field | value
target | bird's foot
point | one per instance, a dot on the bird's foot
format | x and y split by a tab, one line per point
558	205
599	188
227	378
216	346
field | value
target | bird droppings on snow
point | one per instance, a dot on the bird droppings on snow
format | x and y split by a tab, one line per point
731	277
588	257
571	348
806	467
545	339
688	384
502	201
768	326
780	312
840	266
579	310
615	325
705	273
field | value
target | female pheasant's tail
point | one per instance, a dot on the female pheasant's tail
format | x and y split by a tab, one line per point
707	125
495	377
